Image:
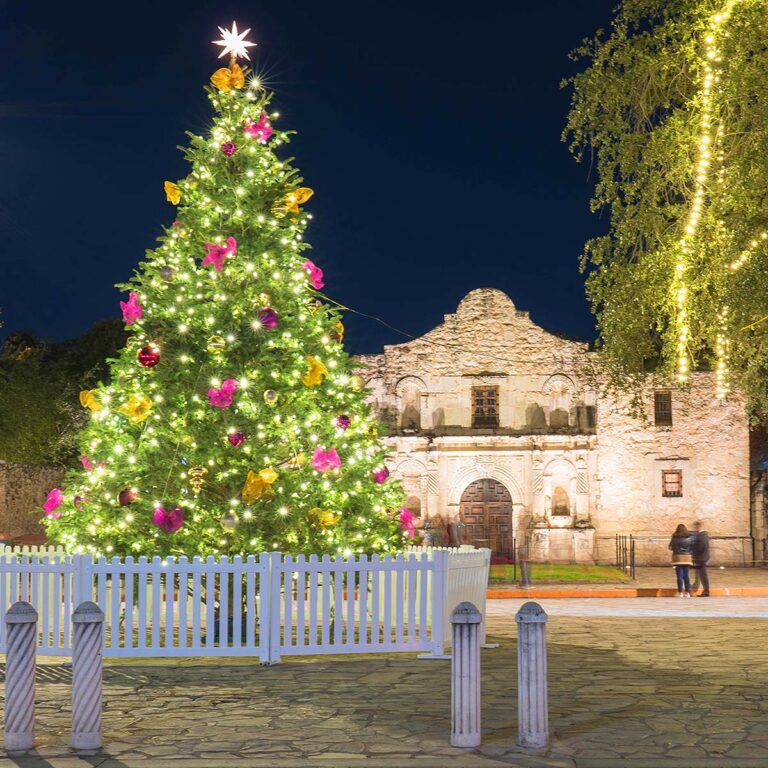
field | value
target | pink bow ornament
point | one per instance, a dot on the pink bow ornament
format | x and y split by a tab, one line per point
406	522
315	274
52	503
261	131
168	522
222	397
132	310
380	475
216	254
324	461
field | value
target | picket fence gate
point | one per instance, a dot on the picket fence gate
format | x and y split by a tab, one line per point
267	606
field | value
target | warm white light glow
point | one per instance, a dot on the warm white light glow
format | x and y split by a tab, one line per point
687	245
234	42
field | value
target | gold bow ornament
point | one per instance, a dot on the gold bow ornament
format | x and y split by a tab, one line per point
325	517
338	332
172	192
137	408
258	485
291	202
88	399
227	78
316	372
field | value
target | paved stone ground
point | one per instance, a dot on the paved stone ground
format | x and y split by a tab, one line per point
710	607
624	691
660	577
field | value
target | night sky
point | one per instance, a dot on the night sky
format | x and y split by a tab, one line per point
429	131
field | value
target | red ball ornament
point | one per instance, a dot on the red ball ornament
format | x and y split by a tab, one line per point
149	356
127	496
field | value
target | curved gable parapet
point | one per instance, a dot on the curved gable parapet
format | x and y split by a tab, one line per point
483	302
486	333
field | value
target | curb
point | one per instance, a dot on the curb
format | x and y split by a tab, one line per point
554	594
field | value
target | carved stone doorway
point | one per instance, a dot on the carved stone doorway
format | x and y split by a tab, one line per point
486	511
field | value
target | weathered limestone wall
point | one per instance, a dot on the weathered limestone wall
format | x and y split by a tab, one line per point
557	438
428	381
23	488
708	441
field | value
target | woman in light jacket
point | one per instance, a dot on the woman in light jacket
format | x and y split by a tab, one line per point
681	545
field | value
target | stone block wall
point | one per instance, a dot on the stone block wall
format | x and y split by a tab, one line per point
576	461
708	443
23	488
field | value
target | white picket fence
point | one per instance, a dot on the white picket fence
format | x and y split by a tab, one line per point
466	580
265	606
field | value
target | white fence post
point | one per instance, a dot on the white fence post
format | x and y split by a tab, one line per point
21	623
272	615
465	676
439	567
532	707
83	586
88	631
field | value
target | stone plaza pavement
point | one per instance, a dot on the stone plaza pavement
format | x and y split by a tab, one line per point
631	688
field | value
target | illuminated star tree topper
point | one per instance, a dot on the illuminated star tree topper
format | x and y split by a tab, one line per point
234	42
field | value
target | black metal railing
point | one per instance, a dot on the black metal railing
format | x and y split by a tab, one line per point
625	555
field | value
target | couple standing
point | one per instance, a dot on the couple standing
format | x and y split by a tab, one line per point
690	548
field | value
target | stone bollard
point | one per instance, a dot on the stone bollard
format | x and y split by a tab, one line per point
532	707
21	628
465	676
88	632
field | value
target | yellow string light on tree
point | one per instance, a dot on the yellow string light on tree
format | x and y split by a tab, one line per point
712	59
722	344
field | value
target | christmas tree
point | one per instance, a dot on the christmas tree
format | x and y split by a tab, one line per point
234	421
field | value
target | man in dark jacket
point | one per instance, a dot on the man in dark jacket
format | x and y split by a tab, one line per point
701	558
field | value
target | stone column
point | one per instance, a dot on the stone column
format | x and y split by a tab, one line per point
88	632
532	708
21	628
465	676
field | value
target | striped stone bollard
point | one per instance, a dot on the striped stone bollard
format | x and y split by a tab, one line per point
532	706
465	676
88	631
21	628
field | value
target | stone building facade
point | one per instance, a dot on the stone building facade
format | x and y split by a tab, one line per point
496	425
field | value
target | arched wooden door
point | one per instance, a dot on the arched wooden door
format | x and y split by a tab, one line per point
486	511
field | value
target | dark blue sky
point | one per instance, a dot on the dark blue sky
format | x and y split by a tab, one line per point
429	132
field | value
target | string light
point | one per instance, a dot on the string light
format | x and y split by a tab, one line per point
722	344
745	255
712	60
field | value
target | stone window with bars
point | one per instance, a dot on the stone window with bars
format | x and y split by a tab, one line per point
485	407
662	408
672	483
